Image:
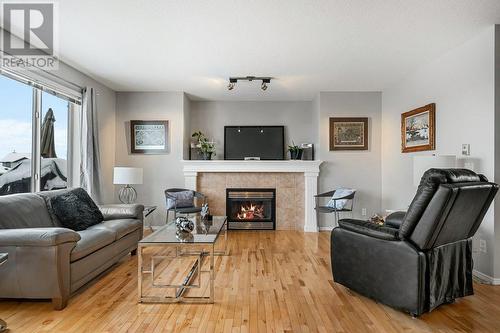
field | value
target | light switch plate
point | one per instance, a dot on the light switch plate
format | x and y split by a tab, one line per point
465	149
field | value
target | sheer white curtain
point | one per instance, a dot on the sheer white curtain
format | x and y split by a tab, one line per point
90	163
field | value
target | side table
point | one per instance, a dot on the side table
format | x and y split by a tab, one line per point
148	210
3	259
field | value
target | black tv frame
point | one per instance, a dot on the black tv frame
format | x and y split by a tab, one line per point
256	126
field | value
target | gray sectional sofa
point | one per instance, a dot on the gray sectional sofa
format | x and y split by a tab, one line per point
47	261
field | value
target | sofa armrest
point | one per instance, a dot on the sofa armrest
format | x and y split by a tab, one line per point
369	229
395	219
37	236
122	211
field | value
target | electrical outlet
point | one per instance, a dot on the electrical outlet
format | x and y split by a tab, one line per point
363	211
482	245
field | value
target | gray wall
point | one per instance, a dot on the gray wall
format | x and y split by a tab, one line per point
461	83
211	117
160	171
355	169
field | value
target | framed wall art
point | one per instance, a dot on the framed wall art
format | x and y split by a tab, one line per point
349	133
418	129
149	136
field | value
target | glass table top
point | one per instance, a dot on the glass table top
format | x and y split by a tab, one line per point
204	232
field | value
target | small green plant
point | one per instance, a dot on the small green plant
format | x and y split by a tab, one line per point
207	148
295	151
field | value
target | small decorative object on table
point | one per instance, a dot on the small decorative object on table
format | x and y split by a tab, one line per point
207	148
205	212
184	228
377	219
295	152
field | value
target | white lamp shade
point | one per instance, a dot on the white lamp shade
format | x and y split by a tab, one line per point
127	176
422	163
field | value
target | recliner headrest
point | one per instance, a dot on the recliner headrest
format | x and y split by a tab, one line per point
429	184
442	176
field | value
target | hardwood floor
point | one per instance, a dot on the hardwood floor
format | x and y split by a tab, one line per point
271	282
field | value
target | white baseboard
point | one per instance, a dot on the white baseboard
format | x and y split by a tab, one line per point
485	278
326	228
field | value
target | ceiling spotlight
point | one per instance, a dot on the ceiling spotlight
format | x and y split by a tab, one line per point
265	81
232	83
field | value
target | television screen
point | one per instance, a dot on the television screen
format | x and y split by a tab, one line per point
265	142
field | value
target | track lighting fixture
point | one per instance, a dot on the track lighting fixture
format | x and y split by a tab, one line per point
264	85
231	84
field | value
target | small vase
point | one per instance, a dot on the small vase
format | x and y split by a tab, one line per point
207	156
296	154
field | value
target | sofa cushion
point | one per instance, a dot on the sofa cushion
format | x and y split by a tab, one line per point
75	209
25	210
91	241
121	227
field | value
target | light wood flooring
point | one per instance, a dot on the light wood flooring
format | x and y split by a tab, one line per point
271	282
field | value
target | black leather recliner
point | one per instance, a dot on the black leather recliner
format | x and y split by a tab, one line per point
418	260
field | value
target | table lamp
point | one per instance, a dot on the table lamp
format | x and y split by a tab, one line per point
422	163
127	176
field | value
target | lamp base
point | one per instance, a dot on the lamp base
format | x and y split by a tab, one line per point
127	194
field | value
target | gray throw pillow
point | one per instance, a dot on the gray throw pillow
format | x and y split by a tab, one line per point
183	199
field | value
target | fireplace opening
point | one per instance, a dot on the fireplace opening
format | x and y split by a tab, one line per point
251	208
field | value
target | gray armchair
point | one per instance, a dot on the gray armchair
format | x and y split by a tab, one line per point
336	212
179	205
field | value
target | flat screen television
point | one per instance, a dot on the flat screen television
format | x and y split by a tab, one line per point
264	142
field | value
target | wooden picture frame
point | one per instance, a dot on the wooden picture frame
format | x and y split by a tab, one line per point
149	137
418	129
349	133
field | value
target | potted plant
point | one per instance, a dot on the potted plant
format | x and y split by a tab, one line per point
207	148
295	152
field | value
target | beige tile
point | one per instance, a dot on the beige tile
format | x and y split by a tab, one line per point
285	180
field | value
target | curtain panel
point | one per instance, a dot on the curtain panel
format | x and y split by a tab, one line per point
90	165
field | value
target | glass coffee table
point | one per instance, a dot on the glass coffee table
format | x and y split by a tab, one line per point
157	251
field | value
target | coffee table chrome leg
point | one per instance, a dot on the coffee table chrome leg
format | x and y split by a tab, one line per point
139	277
212	274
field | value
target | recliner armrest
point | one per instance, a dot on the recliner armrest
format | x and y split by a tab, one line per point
395	219
369	229
114	212
37	236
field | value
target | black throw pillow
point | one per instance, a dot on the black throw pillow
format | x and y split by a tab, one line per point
76	210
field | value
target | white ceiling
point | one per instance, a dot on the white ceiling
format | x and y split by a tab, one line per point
307	45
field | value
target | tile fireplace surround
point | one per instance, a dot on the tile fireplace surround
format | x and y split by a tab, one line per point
296	183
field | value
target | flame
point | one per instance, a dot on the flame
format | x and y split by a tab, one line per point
250	212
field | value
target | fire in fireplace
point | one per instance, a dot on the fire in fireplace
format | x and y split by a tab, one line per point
251	208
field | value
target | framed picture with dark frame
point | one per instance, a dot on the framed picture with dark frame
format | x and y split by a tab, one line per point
149	136
418	129
348	133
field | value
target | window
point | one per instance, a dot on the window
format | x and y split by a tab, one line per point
16	111
34	122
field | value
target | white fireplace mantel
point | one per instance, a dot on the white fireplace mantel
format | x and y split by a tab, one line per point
310	169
